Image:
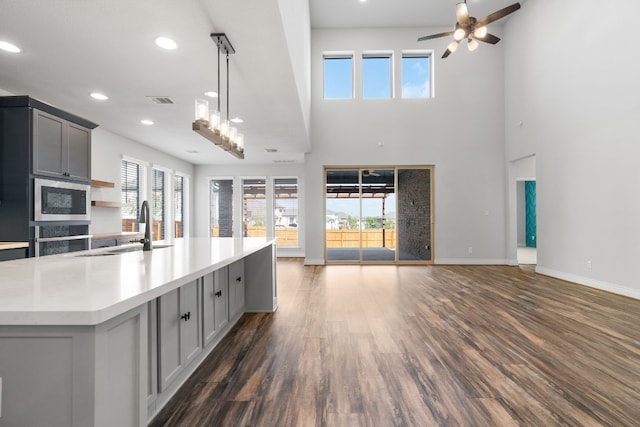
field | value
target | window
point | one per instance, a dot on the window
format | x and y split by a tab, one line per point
221	209
285	194
254	209
130	177
338	77
158	211
416	75
178	206
376	76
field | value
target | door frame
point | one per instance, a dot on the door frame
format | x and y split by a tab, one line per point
395	168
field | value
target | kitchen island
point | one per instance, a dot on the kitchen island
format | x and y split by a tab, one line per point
105	337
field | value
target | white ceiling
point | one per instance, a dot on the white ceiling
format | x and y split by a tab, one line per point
71	48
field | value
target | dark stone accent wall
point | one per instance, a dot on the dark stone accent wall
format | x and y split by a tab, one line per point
414	214
225	208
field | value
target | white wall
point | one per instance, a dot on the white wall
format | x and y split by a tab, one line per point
107	150
460	131
203	174
574	86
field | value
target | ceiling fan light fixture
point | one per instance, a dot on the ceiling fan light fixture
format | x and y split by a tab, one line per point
472	44
459	33
462	13
480	32
452	46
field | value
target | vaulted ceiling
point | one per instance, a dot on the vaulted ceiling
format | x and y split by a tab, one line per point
71	48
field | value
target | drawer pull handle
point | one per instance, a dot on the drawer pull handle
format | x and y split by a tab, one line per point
186	316
219	294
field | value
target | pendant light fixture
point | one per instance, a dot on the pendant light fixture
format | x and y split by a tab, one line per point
209	123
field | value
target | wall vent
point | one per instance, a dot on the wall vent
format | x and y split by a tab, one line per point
163	100
284	161
271	150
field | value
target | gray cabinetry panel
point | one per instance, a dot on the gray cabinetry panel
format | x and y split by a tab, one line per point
236	287
191	339
169	360
214	304
61	148
179	332
79	140
48	144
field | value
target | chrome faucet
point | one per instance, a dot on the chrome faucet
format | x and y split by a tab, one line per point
145	216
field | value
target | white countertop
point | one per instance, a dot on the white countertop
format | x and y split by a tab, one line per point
69	289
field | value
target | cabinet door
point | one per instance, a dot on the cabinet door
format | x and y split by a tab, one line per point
102	243
221	301
208	313
236	287
169	322
179	338
190	335
48	145
79	152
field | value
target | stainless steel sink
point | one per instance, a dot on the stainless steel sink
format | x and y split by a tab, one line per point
134	249
122	250
98	254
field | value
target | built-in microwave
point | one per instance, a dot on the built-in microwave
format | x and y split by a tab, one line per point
61	201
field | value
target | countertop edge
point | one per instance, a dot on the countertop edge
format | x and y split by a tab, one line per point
100	315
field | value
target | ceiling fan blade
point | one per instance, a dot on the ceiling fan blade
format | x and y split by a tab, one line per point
435	36
489	38
462	13
446	53
498	15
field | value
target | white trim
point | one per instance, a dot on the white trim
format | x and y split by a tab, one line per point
308	261
592	283
470	261
134	160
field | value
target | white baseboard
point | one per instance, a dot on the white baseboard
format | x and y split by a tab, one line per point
308	261
470	261
592	283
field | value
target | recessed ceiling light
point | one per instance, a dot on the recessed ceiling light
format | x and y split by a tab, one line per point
211	94
146	122
237	120
166	43
9	47
99	96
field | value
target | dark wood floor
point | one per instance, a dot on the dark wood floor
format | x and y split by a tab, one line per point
422	346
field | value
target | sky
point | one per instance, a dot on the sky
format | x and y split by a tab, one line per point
376	77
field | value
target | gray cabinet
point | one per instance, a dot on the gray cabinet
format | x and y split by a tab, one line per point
236	288
9	254
179	333
215	315
60	148
103	243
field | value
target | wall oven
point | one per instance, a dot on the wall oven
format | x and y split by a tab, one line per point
59	238
61	201
61	214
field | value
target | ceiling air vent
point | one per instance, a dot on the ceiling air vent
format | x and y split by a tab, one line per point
163	100
271	150
284	161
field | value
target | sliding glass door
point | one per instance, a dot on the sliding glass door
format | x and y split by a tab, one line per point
378	215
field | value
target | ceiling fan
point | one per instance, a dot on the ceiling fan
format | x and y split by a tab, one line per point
472	29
